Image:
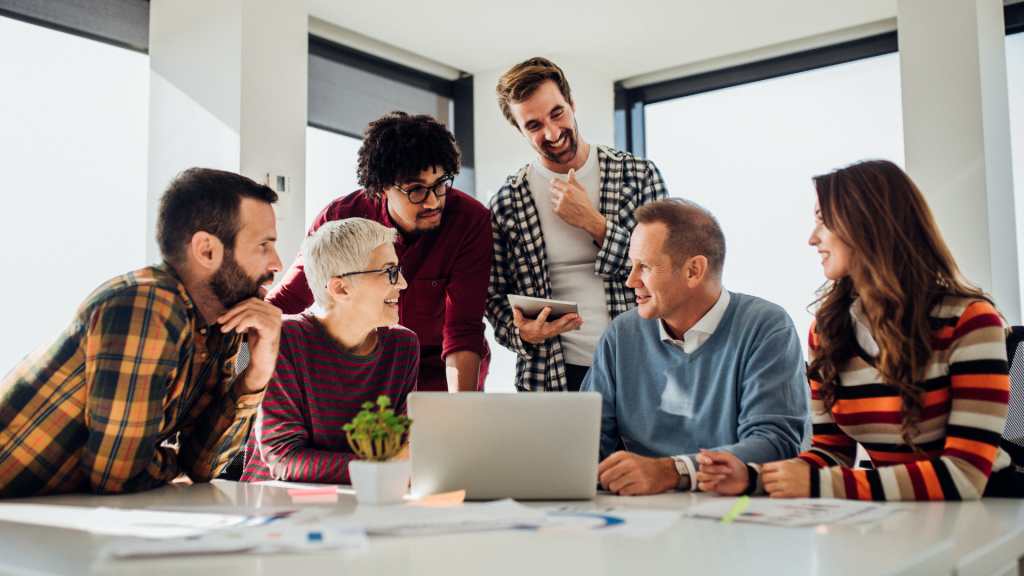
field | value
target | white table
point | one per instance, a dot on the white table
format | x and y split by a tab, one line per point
968	539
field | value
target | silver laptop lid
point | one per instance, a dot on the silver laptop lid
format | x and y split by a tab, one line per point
536	446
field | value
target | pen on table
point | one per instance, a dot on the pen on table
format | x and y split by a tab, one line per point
741	504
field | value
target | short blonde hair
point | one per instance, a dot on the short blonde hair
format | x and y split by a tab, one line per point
341	247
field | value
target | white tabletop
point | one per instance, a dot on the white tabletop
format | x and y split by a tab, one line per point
968	538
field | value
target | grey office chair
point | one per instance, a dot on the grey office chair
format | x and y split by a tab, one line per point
234	469
1013	433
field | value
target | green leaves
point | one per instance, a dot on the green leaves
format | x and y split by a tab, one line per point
377	436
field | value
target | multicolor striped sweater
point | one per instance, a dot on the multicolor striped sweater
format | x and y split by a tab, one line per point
967	390
316	389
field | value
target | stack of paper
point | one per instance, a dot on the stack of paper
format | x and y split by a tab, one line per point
628	522
406	520
315	537
136	522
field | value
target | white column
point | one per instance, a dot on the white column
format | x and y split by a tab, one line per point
956	125
228	91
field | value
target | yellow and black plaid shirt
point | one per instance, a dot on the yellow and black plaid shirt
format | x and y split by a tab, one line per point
100	407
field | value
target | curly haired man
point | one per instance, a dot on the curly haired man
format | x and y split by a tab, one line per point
406	167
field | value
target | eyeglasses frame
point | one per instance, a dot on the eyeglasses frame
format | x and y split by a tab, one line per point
395	275
447	178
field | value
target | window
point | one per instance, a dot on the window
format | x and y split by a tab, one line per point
331	161
747	154
73	154
1015	84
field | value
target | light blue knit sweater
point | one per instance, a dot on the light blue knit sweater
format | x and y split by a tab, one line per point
744	390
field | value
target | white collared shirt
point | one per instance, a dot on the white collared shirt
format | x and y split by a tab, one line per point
862	328
701	331
692	339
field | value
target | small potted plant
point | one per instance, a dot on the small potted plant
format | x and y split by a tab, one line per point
376	437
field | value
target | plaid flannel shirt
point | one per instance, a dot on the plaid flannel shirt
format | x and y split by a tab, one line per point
520	258
101	406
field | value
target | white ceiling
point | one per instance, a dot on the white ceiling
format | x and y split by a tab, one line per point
618	39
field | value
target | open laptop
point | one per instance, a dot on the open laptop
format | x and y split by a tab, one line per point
522	446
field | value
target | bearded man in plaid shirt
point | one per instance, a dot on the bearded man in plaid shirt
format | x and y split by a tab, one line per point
141	386
561	231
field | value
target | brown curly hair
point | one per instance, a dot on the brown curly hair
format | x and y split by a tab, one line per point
397	147
519	84
900	268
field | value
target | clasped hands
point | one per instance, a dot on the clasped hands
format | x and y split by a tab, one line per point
628	474
723	473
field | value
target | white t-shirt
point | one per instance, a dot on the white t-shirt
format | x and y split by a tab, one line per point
571	259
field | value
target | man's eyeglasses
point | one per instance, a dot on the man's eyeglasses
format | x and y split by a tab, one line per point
418	194
393	273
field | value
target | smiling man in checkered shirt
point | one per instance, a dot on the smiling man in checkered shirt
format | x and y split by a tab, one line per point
561	231
140	388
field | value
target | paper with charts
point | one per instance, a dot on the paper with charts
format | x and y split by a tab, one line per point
148	523
794	512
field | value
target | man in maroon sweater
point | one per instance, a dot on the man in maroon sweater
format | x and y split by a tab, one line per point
406	167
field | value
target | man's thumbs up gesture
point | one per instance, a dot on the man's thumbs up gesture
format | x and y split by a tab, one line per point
570	202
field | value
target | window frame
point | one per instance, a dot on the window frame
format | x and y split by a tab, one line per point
459	91
630	129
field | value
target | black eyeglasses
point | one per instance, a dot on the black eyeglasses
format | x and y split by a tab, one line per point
418	194
393	273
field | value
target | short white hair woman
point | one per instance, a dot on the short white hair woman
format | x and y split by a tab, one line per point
331	363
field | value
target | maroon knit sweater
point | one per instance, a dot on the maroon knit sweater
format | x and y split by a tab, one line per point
316	388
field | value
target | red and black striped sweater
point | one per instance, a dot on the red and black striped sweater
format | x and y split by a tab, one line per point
967	390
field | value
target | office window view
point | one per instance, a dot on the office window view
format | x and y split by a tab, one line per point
73	147
748	153
74	140
1015	84
331	161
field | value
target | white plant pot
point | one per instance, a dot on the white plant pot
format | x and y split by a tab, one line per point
379	482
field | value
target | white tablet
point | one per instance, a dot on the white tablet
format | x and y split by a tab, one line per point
531	307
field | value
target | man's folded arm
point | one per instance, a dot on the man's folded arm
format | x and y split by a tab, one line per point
208	446
131	354
773	402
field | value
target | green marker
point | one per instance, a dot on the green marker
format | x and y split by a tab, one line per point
736	510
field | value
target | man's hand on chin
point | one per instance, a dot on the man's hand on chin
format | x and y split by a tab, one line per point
261	322
628	474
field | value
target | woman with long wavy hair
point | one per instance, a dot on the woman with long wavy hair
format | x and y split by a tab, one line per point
906	357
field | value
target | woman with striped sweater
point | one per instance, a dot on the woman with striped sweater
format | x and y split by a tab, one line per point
906	358
329	364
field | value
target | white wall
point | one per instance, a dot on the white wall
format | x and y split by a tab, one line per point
73	136
956	129
231	95
501	151
1015	85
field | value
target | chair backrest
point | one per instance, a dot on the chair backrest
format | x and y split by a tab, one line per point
1013	433
233	471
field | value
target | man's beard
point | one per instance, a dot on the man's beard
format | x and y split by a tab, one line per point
231	285
434	229
570	152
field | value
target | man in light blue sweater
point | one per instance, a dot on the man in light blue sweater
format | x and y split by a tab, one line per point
693	366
